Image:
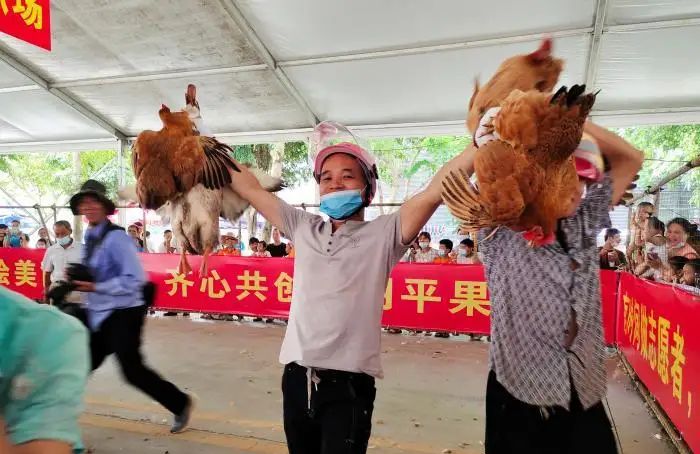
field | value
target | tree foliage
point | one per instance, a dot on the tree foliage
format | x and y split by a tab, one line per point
295	166
666	149
49	178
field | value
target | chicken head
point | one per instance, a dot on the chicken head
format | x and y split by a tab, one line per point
537	70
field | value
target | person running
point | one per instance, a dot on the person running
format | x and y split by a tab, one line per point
116	310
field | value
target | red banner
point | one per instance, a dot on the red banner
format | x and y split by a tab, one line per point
20	270
452	298
657	330
428	297
28	20
608	294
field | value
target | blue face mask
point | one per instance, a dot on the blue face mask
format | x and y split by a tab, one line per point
342	204
65	241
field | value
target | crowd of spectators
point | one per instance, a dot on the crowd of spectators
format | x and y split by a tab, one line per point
422	252
663	252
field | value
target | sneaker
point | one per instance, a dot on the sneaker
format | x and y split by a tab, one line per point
182	421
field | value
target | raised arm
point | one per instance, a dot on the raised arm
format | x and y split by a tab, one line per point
625	160
266	203
418	209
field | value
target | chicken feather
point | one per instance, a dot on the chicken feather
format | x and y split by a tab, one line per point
526	177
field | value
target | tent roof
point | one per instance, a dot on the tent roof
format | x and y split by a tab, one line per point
269	69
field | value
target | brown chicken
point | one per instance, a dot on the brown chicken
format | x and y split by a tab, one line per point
170	162
537	70
527	178
187	178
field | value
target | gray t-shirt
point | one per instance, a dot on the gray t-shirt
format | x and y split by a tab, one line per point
535	293
339	284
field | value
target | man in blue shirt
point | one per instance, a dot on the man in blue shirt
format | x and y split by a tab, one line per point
116	310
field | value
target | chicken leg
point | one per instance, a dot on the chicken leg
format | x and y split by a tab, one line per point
184	266
204	268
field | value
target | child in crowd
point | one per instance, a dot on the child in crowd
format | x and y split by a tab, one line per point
691	273
444	253
674	272
261	250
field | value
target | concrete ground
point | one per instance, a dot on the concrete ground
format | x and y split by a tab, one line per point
431	401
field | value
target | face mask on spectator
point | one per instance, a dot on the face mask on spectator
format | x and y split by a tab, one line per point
462	252
442	252
63	241
423	244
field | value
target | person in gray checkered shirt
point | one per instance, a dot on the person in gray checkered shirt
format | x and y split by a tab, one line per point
547	380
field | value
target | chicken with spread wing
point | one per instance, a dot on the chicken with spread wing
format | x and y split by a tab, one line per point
187	178
526	175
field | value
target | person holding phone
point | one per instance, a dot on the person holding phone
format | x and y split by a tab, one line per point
655	251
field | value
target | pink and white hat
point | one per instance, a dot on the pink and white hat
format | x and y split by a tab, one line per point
330	138
588	159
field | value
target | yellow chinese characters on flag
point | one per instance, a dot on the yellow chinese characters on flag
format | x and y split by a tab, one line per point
469	296
659	345
421	291
388	300
31	13
283	284
178	282
251	283
25	273
209	284
4	273
28	20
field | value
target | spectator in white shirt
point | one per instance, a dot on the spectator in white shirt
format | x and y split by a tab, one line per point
425	254
58	256
168	246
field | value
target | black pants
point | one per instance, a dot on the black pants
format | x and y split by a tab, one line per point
339	417
120	334
513	426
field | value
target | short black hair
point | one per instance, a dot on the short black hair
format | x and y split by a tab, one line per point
611	233
253	240
65	225
656	224
167	231
677	262
468	242
447	243
41	240
425	235
3	226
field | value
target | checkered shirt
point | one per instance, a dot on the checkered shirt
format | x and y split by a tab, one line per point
533	293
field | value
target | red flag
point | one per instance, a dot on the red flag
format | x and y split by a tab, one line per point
28	20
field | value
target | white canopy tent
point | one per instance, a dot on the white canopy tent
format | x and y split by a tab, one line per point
268	70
